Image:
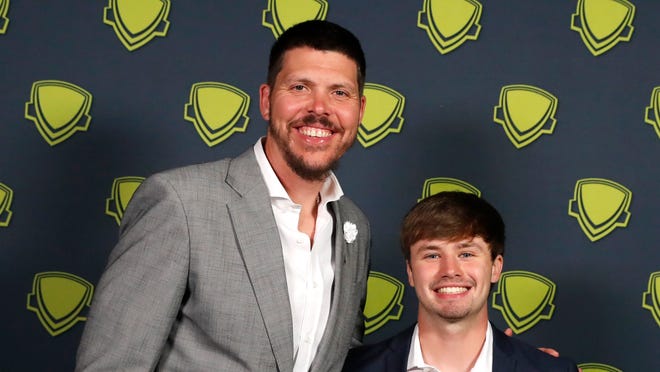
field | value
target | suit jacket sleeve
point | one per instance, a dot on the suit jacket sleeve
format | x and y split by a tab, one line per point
128	325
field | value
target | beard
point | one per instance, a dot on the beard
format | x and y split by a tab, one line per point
453	314
297	163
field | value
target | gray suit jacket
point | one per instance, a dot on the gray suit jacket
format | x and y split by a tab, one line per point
197	282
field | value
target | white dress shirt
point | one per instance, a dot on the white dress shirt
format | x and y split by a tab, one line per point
309	269
484	362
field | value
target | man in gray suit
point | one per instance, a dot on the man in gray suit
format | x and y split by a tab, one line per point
256	263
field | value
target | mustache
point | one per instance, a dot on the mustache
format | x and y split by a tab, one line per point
313	118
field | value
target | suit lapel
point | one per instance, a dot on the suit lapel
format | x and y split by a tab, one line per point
397	359
502	350
342	284
342	292
259	243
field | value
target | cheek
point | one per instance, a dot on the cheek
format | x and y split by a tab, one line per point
284	107
353	129
350	119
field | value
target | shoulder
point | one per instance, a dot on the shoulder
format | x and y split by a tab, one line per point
388	355
193	172
241	170
526	355
180	183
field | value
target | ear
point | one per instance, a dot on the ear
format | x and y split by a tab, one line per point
496	270
411	281
363	105
264	101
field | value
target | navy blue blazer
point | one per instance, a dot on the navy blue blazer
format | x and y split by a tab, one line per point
509	354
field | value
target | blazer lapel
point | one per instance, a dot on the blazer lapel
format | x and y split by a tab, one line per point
397	359
342	291
502	350
259	243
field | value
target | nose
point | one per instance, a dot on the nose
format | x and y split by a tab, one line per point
449	267
319	103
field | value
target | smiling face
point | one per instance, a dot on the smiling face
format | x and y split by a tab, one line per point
313	108
452	278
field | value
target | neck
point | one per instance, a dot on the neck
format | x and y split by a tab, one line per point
452	346
301	191
306	193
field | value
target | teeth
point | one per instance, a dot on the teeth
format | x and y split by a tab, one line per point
315	132
452	290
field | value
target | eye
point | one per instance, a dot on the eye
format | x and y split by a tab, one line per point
298	87
465	255
432	256
345	94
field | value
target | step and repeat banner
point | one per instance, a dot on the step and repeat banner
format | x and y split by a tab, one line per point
548	109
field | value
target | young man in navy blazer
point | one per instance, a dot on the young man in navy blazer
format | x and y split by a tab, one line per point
453	243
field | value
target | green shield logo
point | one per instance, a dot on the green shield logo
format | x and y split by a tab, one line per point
58	299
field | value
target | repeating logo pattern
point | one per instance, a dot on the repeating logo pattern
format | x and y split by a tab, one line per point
4	21
435	185
526	112
59	109
137	22
58	299
450	23
600	206
6	196
524	299
217	110
602	24
383	303
651	298
383	114
282	14
597	367
121	194
653	111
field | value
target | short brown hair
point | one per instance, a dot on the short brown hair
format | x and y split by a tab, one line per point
453	215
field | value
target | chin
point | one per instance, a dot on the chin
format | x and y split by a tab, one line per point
312	172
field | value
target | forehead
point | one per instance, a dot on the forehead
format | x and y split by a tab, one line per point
475	242
301	58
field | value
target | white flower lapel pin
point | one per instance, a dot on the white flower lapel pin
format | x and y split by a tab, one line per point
350	232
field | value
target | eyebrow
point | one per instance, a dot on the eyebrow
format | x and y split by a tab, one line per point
296	79
305	80
462	245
